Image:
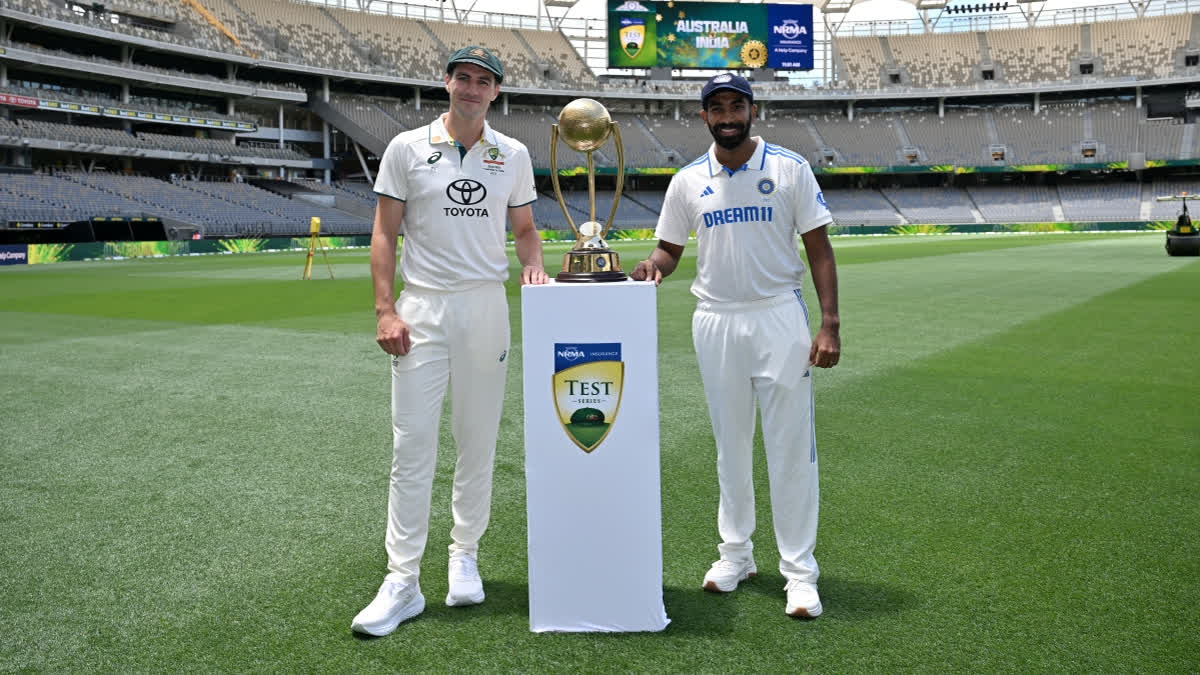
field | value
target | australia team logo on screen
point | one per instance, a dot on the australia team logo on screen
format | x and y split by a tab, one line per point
633	35
587	382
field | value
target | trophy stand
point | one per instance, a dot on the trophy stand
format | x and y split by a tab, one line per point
586	125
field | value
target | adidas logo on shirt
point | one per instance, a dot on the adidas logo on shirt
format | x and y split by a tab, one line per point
707	191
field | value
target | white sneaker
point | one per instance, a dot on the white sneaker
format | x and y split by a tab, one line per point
802	599
725	575
395	602
466	588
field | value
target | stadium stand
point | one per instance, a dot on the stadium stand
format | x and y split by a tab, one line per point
302	28
1013	203
41	197
554	48
861	207
1100	201
863	60
396	46
794	131
931	205
1035	54
1144	48
1163	139
959	137
1114	126
868	140
1169	188
520	69
950	60
896	125
370	115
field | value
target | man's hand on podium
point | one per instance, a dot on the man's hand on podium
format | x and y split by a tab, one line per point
533	275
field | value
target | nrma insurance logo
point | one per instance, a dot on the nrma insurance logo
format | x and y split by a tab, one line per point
588	379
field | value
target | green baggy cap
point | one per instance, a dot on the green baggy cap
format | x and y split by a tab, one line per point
479	56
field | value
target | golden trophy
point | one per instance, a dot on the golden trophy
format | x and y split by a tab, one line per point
586	125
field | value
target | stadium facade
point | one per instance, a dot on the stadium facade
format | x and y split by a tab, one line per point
133	119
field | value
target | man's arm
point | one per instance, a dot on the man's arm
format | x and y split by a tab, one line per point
827	346
390	331
662	261
528	245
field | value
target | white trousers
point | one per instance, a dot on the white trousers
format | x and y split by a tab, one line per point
758	351
460	340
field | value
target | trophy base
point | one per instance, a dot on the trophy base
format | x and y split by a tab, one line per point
591	266
595	277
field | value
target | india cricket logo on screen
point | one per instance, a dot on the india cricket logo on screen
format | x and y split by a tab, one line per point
587	382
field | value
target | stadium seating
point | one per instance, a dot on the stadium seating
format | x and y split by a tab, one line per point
1090	128
1144	48
959	137
1170	210
867	140
931	205
1014	204
566	66
948	60
1163	139
395	46
861	207
1100	201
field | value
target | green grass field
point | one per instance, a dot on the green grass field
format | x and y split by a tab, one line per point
195	455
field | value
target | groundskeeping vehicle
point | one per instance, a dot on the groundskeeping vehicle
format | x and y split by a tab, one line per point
1183	239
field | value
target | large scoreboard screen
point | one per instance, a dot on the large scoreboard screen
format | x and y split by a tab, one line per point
709	35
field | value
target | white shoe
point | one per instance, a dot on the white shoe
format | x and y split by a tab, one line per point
802	599
466	588
725	575
395	602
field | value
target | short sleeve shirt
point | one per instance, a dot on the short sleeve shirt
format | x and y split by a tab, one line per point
746	222
455	206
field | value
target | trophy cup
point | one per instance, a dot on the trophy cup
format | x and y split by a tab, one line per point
585	126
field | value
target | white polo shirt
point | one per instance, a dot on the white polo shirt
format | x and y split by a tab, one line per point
746	222
455	208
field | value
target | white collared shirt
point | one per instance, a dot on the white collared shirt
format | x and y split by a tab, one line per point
455	210
746	222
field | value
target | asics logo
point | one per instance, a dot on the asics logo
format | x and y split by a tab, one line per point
466	191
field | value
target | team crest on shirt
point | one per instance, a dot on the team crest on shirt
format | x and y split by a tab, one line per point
766	186
493	161
587	384
821	200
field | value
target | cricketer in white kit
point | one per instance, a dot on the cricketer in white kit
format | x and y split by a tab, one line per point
747	200
448	188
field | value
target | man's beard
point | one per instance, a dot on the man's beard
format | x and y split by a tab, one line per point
730	142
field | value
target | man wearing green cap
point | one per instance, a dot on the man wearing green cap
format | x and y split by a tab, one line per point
448	188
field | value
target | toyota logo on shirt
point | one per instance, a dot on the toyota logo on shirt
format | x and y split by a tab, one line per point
466	192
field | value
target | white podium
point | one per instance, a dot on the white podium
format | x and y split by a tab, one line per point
592	457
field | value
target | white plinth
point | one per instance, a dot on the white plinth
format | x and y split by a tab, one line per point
595	518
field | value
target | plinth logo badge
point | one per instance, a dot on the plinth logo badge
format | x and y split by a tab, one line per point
587	382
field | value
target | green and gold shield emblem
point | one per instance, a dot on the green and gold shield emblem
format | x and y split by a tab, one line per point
633	36
587	395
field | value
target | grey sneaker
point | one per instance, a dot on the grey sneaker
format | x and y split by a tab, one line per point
466	588
395	602
725	575
802	599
